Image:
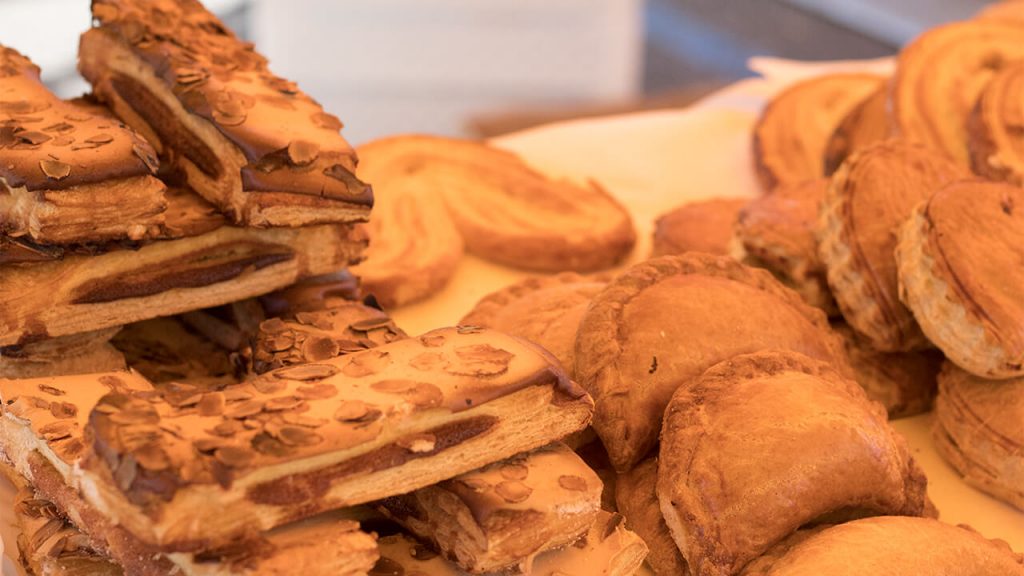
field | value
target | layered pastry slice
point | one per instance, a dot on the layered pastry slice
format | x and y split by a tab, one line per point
250	142
49	545
73	354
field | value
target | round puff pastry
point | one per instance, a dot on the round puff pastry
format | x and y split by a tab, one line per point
866	124
995	127
704	226
637	500
897	546
869	198
940	75
979	430
791	135
960	271
777	233
764	443
666	320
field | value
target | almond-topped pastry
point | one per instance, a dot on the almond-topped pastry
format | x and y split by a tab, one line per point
500	516
898	546
637	498
207	468
765	443
703	226
868	200
777	232
250	142
73	354
867	123
70	172
979	429
166	350
607	549
793	130
546	310
665	321
940	75
994	128
960	271
506	211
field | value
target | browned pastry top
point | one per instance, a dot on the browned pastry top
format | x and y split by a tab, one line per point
704	226
778	229
50	144
866	124
224	80
996	126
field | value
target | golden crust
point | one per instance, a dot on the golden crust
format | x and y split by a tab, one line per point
994	128
637	499
72	354
764	443
705	226
867	123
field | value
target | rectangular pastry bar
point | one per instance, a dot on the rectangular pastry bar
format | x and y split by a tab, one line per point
250	142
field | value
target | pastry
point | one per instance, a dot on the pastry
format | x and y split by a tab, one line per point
978	430
664	321
250	142
994	127
310	294
315	437
166	350
940	75
1006	10
904	382
865	124
499	516
765	443
73	354
899	546
545	310
794	128
777	233
607	549
869	198
959	258
703	226
70	172
505	211
637	499
50	546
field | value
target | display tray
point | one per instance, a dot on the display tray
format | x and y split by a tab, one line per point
653	162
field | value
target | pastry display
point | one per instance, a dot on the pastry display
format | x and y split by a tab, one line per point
815	447
631	354
703	226
977	429
788	142
865	124
499	516
994	128
969	306
73	354
250	142
868	200
637	498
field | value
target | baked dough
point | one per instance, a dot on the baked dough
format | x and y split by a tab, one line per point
765	443
994	128
73	354
637	499
866	123
166	350
704	226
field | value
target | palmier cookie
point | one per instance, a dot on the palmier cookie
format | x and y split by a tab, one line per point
867	201
960	271
665	321
791	135
994	128
506	211
865	124
704	226
764	443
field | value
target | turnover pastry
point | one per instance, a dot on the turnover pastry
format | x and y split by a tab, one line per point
250	142
866	123
940	75
869	198
996	140
978	430
765	443
504	210
899	546
792	132
544	310
704	226
636	496
664	321
500	516
960	271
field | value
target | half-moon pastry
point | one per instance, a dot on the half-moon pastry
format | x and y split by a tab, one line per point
869	198
250	142
637	499
898	546
940	75
765	443
664	321
996	124
703	226
777	232
793	130
866	124
960	272
979	429
544	310
506	211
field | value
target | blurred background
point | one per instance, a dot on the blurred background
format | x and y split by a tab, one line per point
485	67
